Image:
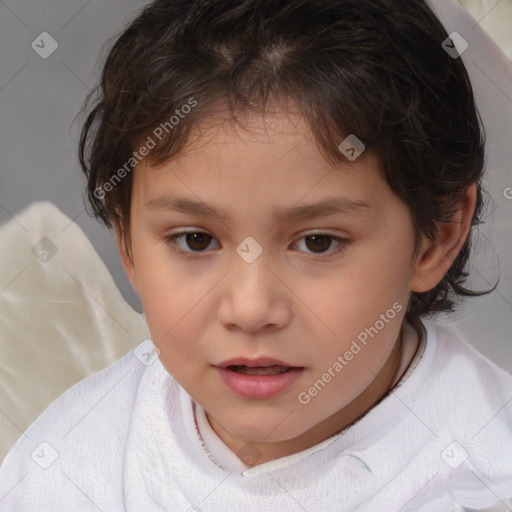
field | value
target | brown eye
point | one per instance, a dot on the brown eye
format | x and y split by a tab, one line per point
197	241
193	241
318	243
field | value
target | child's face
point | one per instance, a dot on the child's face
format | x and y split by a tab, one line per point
299	301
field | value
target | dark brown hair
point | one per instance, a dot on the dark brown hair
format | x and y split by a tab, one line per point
373	68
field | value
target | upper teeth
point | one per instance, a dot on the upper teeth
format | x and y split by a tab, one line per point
260	370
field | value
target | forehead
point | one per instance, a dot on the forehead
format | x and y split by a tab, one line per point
265	161
277	130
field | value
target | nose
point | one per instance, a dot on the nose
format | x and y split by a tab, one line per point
254	297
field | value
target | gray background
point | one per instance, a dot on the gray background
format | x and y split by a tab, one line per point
39	102
39	99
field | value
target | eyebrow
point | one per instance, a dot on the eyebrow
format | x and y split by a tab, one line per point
326	207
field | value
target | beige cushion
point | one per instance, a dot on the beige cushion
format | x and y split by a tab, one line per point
62	317
495	17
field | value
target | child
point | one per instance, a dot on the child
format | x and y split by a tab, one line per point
230	138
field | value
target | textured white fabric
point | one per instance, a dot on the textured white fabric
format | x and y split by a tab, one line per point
126	440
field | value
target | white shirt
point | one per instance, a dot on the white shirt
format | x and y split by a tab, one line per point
127	439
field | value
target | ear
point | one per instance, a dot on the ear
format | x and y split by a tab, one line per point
435	257
124	247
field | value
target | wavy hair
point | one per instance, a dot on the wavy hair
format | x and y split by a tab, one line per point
373	68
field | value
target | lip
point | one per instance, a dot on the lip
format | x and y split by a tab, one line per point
257	387
260	361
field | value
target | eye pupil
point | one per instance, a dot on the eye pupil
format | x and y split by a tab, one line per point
318	239
193	237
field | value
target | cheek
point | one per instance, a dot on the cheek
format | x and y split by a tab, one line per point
385	266
171	296
364	303
361	289
176	319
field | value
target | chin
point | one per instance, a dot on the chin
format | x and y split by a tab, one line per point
265	429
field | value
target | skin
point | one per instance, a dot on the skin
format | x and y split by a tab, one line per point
292	303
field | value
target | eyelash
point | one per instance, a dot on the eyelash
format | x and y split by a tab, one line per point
170	240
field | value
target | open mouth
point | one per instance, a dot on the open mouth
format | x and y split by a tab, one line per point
258	379
274	369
